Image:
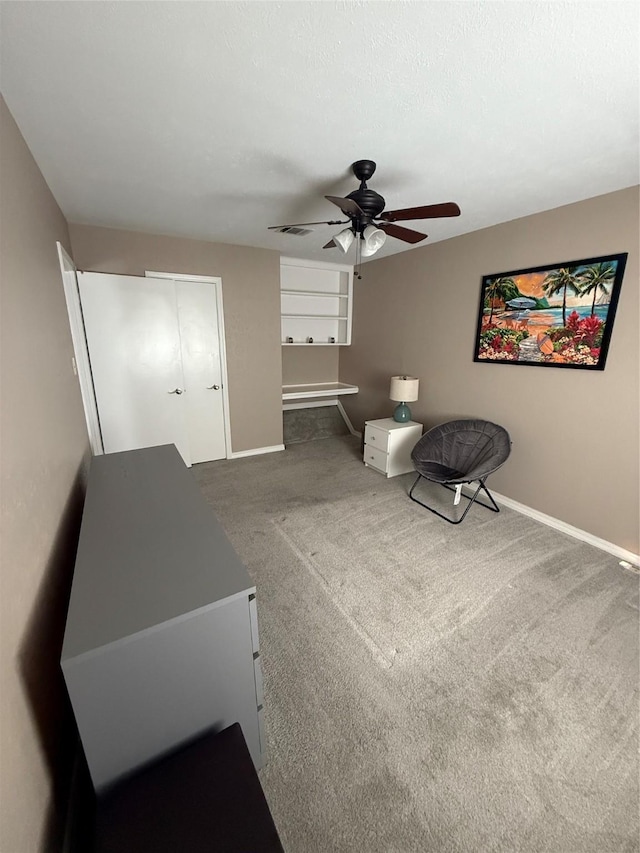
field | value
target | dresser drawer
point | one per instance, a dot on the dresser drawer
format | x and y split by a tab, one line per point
378	438
378	459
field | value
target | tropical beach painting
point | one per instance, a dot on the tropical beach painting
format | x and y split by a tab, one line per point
559	315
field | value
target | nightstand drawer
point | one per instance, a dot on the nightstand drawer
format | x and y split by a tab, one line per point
378	459
377	438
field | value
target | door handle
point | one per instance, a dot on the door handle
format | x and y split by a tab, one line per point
176	391
213	387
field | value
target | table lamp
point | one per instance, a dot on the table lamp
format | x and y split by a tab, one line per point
404	389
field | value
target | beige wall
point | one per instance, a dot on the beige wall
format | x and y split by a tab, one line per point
251	299
575	433
43	451
302	365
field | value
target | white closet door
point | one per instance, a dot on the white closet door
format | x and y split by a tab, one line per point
201	364
136	360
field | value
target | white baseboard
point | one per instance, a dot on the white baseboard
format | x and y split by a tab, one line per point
569	529
256	451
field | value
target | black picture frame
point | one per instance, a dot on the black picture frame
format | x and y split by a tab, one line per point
555	315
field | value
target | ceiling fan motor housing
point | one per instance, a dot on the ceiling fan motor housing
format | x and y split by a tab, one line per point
370	202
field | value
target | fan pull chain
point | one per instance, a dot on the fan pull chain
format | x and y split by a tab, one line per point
356	271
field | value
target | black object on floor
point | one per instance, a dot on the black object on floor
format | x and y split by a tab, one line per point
205	796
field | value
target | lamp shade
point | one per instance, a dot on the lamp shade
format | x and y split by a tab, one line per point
373	239
344	239
404	389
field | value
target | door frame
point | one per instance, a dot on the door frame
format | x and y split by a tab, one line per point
82	366
216	281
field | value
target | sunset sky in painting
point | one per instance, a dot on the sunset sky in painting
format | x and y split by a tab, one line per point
531	285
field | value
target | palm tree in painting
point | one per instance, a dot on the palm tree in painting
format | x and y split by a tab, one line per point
562	279
499	288
596	278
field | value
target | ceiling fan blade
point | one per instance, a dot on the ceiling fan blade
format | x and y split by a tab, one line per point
300	224
329	245
427	211
346	205
406	234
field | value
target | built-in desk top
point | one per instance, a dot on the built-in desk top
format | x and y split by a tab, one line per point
317	389
150	550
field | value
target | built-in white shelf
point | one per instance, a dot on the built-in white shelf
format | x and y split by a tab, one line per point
313	293
317	389
315	317
315	299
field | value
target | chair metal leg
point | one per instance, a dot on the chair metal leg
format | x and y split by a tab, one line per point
472	500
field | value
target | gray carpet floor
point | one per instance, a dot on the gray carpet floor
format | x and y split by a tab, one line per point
431	687
310	424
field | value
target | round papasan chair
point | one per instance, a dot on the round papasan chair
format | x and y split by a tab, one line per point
457	453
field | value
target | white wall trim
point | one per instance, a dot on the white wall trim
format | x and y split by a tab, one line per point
319	265
205	279
564	527
81	352
256	451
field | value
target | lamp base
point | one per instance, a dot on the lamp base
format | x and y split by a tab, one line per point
402	413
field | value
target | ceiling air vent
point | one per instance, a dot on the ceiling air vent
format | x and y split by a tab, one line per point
292	229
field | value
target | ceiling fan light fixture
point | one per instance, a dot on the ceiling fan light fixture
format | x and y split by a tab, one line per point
373	239
343	240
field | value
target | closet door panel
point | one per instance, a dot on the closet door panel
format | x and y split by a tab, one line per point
200	347
136	361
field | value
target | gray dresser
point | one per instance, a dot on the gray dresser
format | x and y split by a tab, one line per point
161	641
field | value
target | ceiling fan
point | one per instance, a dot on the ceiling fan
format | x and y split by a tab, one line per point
368	219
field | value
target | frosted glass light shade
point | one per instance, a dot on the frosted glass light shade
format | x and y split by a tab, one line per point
344	239
373	240
404	389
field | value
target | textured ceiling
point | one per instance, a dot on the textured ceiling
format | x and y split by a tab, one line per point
214	120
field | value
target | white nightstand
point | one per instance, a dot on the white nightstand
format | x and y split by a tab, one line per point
388	445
